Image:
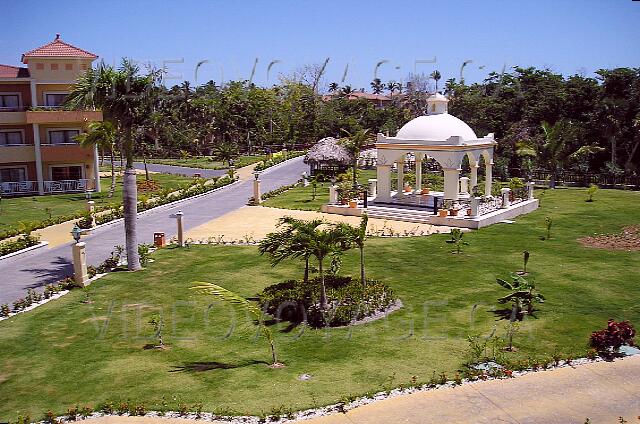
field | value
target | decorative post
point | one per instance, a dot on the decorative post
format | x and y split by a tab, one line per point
418	188
451	183
80	274
530	186
474	175
400	166
305	181
178	216
333	194
464	185
373	187
257	195
383	184
475	207
505	197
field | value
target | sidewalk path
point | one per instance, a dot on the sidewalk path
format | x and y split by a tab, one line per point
601	391
42	266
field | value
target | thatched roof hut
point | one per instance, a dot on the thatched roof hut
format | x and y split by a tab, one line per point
327	156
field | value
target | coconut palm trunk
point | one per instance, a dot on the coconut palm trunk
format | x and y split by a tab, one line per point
323	290
306	269
363	277
112	189
130	204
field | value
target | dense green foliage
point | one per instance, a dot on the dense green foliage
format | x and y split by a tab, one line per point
20	243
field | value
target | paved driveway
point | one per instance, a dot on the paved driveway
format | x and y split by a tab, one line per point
42	266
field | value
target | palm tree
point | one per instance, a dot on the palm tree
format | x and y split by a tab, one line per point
553	149
322	243
333	87
357	235
124	97
354	144
242	305
102	135
346	90
226	151
290	242
377	86
391	86
436	76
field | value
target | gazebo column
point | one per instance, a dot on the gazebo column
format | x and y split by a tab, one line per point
474	176
451	183
418	172
384	183
400	166
489	177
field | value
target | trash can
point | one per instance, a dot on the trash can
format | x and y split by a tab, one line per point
159	240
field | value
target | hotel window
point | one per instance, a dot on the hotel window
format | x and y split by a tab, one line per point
62	136
83	67
40	66
9	102
54	66
66	172
8	175
54	99
8	138
68	67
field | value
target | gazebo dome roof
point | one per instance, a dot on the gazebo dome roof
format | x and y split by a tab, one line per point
437	127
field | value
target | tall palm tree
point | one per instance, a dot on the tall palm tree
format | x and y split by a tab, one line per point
226	151
391	86
124	97
553	149
377	86
357	235
326	242
103	135
436	77
354	144
346	90
333	87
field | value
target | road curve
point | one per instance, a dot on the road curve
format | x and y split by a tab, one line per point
42	266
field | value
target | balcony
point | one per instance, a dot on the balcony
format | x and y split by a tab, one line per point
25	188
12	116
55	115
17	153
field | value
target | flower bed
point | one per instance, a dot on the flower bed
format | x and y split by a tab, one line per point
349	301
276	159
23	242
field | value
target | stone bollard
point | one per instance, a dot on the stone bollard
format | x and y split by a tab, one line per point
80	274
373	187
475	206
505	197
530	186
305	180
464	185
333	195
178	216
91	208
257	196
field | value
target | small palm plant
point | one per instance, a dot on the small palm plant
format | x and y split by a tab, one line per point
523	295
548	222
456	240
525	260
243	305
157	323
591	191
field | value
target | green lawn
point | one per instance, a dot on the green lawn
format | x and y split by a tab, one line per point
38	208
69	352
209	162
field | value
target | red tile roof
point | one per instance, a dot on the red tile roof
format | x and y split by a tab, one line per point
58	48
8	71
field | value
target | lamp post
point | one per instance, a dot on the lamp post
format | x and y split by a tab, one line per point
257	196
80	274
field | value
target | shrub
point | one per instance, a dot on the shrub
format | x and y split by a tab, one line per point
609	340
349	300
4	310
15	245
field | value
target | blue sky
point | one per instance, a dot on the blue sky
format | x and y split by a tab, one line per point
566	36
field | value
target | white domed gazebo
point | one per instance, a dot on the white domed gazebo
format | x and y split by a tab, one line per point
442	137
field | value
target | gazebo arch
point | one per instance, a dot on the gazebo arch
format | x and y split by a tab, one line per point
440	136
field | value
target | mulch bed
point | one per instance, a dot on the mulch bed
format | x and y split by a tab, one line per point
148	185
628	239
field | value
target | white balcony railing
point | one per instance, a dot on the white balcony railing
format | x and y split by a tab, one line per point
50	187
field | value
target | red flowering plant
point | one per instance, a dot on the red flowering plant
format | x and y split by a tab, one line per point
609	340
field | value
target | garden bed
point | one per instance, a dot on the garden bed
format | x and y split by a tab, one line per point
627	239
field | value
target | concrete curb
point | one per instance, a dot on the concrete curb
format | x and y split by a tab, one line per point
167	205
28	249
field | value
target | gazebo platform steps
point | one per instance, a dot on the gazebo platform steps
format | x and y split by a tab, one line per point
401	213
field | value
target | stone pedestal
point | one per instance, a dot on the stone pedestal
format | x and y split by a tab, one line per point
179	220
464	185
80	274
91	208
333	195
530	186
505	197
475	206
257	195
373	187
